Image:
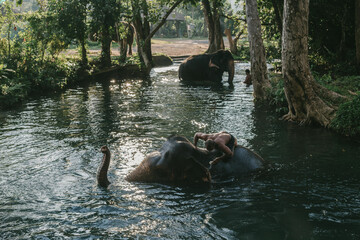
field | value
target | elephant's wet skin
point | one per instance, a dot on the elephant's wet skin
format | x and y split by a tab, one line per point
102	178
179	161
176	162
243	163
207	67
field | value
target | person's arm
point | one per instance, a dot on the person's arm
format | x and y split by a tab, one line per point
198	136
227	153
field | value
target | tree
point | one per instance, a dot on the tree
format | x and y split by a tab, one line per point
212	18
357	33
233	41
141	21
308	102
103	19
7	20
257	52
278	11
72	20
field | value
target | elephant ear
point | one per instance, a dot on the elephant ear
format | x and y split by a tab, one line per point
196	172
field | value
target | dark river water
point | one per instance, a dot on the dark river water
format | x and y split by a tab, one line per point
49	154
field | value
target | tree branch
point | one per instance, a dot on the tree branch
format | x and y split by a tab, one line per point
234	18
163	20
238	35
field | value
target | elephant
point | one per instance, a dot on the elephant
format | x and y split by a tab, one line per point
179	161
207	67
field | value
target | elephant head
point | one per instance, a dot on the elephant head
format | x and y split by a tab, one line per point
224	61
175	162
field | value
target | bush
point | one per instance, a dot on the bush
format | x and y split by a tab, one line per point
277	94
347	120
243	53
11	89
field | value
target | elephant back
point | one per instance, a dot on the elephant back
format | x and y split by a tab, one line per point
243	163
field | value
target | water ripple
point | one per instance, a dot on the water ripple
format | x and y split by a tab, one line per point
49	153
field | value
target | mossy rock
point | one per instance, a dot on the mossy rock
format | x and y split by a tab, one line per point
162	61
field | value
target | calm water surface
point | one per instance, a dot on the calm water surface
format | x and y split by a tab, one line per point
49	153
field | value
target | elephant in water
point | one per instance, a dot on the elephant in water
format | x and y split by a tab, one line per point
208	67
179	161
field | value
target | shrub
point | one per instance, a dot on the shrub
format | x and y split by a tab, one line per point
277	94
347	120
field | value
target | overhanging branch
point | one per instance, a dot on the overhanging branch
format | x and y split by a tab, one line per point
163	20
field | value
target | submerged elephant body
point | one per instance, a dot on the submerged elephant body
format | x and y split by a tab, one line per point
180	161
177	161
207	67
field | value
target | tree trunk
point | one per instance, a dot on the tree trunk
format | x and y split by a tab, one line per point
278	14
84	60
357	32
233	47
106	47
303	94
212	18
122	42
259	74
142	27
233	41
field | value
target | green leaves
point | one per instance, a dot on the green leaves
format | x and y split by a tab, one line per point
347	120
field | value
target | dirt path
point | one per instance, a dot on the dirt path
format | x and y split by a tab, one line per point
170	46
179	47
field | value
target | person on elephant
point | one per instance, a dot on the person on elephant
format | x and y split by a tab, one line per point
248	81
222	141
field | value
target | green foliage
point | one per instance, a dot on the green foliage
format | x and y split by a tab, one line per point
277	94
11	90
267	15
347	120
243	53
346	85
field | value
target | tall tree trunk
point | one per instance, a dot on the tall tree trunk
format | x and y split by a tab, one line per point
122	42
278	13
212	18
143	33
357	32
84	60
106	47
233	47
259	74
233	41
303	94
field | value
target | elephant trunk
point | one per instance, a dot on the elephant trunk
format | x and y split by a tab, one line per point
103	168
231	70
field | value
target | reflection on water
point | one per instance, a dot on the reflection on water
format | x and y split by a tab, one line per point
49	153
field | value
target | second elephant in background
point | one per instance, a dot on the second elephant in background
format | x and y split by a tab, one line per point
208	67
